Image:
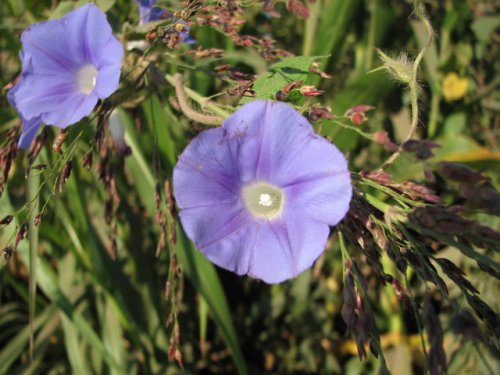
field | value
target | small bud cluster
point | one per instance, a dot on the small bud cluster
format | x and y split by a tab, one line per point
223	19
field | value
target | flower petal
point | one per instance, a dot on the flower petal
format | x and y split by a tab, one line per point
54	98
307	238
285	248
76	107
49	49
205	173
224	235
39	93
323	199
272	258
244	133
274	138
107	81
30	128
111	54
313	158
88	31
280	145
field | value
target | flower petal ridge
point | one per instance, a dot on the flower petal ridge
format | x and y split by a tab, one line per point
258	195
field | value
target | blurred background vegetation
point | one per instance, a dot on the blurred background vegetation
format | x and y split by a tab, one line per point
120	289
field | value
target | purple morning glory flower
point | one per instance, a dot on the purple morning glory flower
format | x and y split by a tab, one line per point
68	64
150	13
258	194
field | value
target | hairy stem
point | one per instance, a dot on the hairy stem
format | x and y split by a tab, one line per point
414	86
186	108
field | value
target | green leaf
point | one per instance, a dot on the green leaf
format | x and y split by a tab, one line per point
16	345
484	26
280	74
105	5
335	21
454	124
463	149
47	281
67	6
71	336
160	123
205	279
62	8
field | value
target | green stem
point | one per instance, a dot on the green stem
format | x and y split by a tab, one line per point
395	320
401	199
433	117
417	316
33	185
343	251
310	29
371	35
382	206
356	129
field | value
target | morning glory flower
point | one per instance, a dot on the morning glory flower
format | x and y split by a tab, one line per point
68	64
258	194
148	12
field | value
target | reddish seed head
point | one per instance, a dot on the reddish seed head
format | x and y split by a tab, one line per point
87	160
222	68
38	219
315	69
7	253
298	8
22	233
61	136
310	91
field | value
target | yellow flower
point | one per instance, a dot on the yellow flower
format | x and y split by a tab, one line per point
454	87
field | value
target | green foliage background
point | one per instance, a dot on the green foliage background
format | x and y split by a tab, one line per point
100	312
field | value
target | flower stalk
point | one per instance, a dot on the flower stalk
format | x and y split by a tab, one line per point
413	83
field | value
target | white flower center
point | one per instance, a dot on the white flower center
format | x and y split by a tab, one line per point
263	200
87	78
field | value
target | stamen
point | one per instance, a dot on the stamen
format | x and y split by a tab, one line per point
265	200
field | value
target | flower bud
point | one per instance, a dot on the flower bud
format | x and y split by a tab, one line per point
117	129
400	67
